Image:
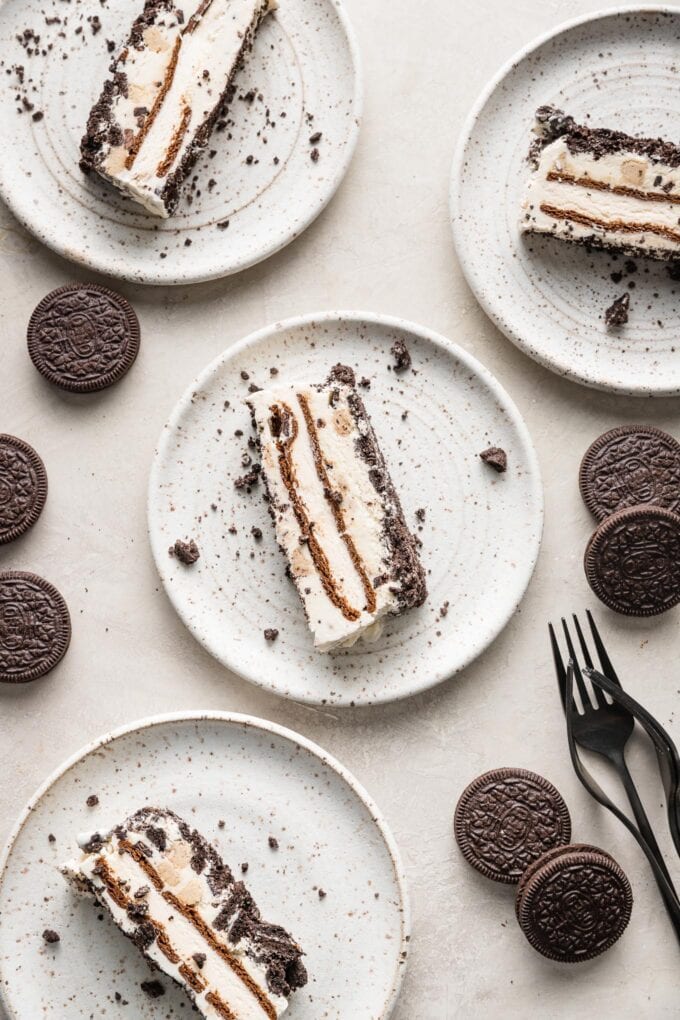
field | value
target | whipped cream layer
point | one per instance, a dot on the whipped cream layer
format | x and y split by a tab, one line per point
168	890
337	516
168	85
605	189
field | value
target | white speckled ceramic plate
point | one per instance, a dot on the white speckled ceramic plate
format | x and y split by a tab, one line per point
616	69
304	70
261	780
480	536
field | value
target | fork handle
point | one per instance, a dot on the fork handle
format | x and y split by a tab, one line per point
642	819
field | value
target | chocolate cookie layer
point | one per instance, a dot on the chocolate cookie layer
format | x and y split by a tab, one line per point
508	818
35	627
23	487
575	906
83	337
629	466
632	561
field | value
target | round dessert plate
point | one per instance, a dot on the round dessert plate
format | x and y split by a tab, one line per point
259	779
480	535
258	190
616	69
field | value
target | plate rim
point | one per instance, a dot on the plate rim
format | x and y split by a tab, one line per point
153	275
371	319
257	723
582	377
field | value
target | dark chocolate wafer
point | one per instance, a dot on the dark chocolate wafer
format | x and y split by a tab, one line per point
506	819
632	561
629	466
35	627
575	906
23	487
83	337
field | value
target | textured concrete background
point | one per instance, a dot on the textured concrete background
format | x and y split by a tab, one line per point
383	245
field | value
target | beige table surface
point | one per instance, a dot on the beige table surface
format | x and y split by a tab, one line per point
383	245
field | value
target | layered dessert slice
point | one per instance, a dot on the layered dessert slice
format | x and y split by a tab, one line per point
167	88
168	890
603	188
337	514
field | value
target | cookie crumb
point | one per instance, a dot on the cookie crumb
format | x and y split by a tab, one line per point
443	611
244	867
154	989
273	843
51	936
248	480
92	800
617	313
271	634
199	959
186	552
401	355
496	458
322	894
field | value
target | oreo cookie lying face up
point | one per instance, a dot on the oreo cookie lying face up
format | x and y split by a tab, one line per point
506	819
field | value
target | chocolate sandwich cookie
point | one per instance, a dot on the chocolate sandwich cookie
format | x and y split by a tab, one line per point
629	466
83	337
23	487
575	906
551	855
506	819
35	627
632	561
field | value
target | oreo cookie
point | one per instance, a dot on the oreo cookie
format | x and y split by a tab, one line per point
632	561
83	337
23	487
630	466
35	627
575	906
508	818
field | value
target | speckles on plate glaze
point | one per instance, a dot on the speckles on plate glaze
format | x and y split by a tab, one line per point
480	536
617	70
302	77
209	767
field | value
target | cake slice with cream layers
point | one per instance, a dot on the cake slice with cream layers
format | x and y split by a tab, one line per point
336	511
168	889
603	188
168	87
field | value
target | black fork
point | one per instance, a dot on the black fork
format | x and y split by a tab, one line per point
606	729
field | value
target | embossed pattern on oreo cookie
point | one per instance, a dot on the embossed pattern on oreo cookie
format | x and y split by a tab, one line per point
83	337
576	907
629	466
35	627
23	487
632	561
506	819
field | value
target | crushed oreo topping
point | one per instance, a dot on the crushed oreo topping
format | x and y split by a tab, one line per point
51	936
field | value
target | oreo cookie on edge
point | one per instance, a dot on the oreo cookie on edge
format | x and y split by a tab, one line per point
629	466
506	819
632	561
35	627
